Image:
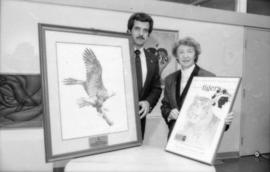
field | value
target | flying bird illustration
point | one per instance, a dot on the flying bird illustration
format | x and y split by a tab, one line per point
93	85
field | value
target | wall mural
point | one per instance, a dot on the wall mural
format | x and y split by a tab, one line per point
161	43
20	100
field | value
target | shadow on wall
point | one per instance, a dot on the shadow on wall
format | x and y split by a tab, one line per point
22	59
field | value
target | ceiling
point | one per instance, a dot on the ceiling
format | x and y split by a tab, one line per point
261	7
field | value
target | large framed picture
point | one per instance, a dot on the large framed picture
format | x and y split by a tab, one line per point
89	92
201	121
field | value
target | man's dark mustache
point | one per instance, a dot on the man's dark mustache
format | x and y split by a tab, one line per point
140	37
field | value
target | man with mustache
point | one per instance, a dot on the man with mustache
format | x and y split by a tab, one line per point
140	26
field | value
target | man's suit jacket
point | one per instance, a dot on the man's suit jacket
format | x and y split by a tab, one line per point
172	98
151	89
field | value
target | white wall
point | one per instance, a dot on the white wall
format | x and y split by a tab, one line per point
222	51
23	150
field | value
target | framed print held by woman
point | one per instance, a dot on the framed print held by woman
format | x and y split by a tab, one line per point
200	124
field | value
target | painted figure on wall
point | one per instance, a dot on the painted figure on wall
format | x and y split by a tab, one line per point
160	43
163	57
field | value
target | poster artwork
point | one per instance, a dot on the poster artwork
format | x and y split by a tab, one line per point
200	125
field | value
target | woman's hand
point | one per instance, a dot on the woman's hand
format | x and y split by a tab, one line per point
229	118
173	114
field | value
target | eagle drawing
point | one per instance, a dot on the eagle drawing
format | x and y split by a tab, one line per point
93	85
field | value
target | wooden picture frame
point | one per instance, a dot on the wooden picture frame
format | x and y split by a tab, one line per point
89	92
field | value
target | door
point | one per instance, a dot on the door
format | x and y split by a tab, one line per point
255	119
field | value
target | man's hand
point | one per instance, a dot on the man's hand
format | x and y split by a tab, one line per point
229	118
144	108
173	114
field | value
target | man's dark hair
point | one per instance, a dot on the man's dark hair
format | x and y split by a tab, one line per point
142	17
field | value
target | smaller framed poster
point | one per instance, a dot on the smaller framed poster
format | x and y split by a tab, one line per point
200	124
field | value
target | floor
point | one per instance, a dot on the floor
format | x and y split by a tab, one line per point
245	164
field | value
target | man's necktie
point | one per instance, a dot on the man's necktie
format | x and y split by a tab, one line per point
138	69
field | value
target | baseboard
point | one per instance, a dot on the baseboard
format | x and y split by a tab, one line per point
59	169
227	155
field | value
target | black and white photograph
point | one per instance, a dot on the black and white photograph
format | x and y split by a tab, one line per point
134	85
